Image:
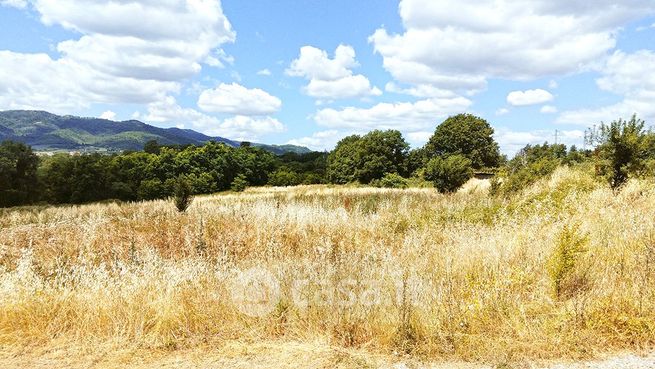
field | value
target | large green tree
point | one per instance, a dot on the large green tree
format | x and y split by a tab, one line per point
18	180
466	135
369	157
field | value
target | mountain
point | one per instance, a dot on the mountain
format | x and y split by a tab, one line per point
49	132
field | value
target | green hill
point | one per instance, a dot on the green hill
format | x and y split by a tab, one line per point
49	132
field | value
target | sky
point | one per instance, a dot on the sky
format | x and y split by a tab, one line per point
314	71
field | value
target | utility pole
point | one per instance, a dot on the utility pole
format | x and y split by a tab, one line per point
556	136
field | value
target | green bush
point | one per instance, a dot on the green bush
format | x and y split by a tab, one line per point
562	264
182	195
622	149
239	184
391	180
283	178
449	174
529	165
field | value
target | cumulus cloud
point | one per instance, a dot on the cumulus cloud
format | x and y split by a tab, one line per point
264	72
548	109
529	97
421	91
407	117
237	128
236	99
128	52
631	76
20	4
331	78
472	41
322	140
109	115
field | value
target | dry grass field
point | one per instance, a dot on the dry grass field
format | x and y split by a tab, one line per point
324	277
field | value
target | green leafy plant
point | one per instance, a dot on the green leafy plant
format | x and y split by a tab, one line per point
239	184
450	173
182	195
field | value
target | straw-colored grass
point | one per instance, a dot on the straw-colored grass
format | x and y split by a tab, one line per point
565	269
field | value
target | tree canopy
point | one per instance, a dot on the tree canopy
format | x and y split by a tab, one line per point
369	157
466	135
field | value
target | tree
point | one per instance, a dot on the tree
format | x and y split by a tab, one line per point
152	147
449	174
622	148
367	158
466	135
343	160
239	184
284	177
18	180
182	195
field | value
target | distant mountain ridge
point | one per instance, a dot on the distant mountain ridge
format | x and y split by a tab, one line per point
50	132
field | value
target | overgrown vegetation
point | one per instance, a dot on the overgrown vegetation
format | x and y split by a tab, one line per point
460	146
459	277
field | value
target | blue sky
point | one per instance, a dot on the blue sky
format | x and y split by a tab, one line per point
311	72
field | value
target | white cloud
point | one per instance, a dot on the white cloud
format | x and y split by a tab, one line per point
553	84
331	78
236	99
109	115
237	128
472	41
529	97
407	117
20	4
322	140
244	128
419	91
629	75
128	52
548	109
264	72
343	88
314	63
502	111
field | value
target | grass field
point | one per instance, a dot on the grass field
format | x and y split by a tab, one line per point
335	277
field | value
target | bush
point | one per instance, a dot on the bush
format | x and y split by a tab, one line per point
391	180
562	264
449	174
182	194
529	165
284	178
622	149
239	184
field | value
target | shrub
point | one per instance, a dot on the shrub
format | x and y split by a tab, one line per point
391	180
239	184
562	264
622	149
284	177
449	174
529	165
182	195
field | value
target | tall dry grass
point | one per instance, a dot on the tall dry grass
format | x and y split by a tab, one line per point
566	268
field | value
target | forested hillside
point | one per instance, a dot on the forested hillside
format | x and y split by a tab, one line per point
46	132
